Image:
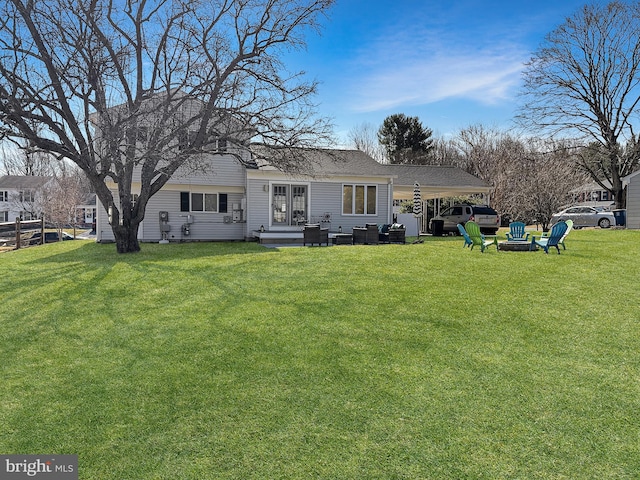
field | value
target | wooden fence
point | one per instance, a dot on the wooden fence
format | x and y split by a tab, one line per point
21	233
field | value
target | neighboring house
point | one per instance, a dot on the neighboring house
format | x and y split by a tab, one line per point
20	197
592	194
87	210
632	183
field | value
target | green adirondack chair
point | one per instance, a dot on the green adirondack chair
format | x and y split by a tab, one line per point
516	232
553	240
463	232
477	238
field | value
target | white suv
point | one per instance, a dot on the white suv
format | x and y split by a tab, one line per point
486	217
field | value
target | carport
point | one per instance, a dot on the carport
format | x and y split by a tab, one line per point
436	182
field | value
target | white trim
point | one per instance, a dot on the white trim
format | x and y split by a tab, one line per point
625	180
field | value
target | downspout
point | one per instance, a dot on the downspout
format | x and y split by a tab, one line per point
390	201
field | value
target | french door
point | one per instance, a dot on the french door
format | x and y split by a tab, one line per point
289	205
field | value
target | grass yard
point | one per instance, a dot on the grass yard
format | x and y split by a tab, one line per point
234	361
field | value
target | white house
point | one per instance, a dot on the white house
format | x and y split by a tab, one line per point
593	194
242	200
20	197
238	193
248	198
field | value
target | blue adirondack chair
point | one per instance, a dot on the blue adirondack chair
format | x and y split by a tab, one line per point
477	238
553	240
463	232
516	232
569	227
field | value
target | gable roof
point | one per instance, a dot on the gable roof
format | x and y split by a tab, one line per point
18	182
435	181
321	162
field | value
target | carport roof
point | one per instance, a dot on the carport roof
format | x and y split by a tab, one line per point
435	181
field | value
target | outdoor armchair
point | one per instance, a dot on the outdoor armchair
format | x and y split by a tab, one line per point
553	240
477	238
516	232
392	233
463	232
314	234
368	234
569	227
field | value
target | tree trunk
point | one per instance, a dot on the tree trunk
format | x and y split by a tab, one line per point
126	238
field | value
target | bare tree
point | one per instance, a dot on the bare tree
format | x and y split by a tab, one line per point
118	86
531	177
584	80
364	137
492	155
27	161
548	175
61	198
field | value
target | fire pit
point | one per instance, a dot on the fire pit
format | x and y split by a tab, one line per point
511	246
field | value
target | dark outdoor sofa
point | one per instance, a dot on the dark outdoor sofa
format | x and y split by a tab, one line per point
392	233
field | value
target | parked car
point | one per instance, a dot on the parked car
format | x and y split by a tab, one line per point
49	237
585	216
486	217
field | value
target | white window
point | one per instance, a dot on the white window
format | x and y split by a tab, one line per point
203	202
4	216
4	196
359	199
219	143
185	139
27	196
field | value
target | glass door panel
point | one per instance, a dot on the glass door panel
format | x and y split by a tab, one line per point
279	205
289	205
299	204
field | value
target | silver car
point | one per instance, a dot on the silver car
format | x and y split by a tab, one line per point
585	216
486	217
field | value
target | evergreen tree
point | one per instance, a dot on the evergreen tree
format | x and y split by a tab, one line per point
405	140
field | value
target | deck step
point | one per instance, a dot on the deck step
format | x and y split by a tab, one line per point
279	237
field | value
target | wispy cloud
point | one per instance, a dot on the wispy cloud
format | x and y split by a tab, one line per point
424	69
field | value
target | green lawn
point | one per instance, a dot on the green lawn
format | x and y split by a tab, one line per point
233	361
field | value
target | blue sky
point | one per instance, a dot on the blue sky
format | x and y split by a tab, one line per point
452	63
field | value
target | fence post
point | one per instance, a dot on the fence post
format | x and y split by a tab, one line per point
42	232
17	233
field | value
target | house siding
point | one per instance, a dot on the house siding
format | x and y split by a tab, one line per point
325	196
633	202
224	175
224	170
258	200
